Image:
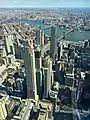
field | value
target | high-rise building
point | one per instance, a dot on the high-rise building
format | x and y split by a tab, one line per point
18	51
86	44
9	44
85	94
38	66
47	77
53	44
3	111
11	58
50	73
42	38
39	37
2	52
38	60
39	82
45	82
24	112
19	84
60	51
29	62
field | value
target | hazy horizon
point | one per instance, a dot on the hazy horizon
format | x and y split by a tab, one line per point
45	3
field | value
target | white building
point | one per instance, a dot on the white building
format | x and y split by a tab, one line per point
29	62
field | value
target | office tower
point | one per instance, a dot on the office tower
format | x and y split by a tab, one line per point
11	58
19	84
47	77
38	60
39	37
3	111
38	65
22	72
2	46
9	44
39	82
42	38
24	111
60	51
50	73
1	35
73	94
2	52
86	44
46	109
18	51
85	91
69	79
45	82
29	62
1	32
53	44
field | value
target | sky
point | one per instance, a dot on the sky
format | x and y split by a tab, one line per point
44	3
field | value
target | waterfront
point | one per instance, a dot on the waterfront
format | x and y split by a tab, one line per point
74	36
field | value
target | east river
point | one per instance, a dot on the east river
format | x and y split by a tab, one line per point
74	36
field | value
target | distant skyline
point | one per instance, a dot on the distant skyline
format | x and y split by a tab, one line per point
44	3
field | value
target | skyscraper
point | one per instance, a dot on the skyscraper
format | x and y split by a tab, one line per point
3	111
38	60
42	38
39	82
50	73
29	61
53	44
38	66
47	77
45	82
60	51
39	37
9	45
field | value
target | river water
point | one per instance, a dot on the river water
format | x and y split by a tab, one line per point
74	36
